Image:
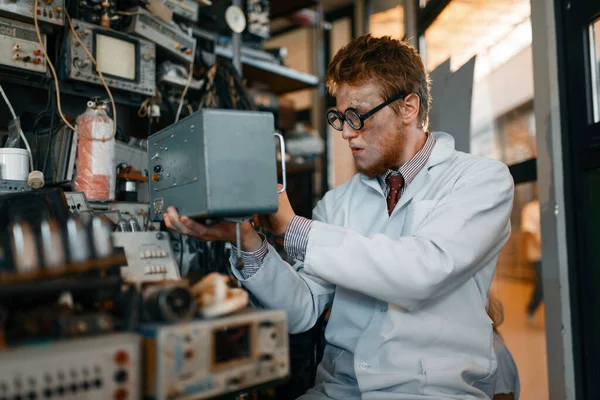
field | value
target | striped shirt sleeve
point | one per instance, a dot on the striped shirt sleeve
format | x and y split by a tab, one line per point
252	259
296	238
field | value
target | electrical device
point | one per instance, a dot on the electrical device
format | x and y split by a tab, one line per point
215	163
128	179
51	11
168	301
100	12
135	71
258	18
105	367
149	256
137	158
9	186
177	75
187	9
169	38
30	250
205	358
19	47
76	201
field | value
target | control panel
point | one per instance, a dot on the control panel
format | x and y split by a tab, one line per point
8	186
51	11
136	70
76	201
167	37
187	9
20	48
206	358
105	367
149	256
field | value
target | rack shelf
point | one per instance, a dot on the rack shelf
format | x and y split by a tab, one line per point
279	79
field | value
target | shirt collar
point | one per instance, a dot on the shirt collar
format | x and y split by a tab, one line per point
411	168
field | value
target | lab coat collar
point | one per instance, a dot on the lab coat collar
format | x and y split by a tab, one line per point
442	151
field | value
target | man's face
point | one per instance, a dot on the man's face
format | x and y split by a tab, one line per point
378	145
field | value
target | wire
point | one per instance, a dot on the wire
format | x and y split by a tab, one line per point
49	145
51	66
10	107
185	89
12	112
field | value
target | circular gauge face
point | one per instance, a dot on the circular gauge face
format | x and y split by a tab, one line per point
235	18
180	301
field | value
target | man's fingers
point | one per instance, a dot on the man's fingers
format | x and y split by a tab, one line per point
195	228
173	217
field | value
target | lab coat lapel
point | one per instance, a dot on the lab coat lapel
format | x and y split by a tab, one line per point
373	183
442	151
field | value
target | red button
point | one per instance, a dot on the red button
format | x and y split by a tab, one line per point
121	357
121	394
190	51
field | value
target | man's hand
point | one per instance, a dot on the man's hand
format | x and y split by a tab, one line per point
251	241
278	222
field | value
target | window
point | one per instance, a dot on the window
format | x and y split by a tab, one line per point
498	33
389	22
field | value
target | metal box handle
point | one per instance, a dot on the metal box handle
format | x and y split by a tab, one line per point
282	150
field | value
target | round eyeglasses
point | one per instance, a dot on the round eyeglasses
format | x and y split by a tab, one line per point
355	119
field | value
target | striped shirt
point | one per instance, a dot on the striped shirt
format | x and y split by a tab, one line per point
296	236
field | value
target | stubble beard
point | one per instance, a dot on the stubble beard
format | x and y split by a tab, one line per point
387	157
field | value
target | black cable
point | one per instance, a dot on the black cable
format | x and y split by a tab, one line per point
51	138
49	145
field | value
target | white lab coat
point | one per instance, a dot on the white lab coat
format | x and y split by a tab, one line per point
409	290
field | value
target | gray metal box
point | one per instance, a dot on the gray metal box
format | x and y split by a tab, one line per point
214	163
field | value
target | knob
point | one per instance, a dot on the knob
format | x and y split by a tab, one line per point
121	376
158	169
79	63
48	2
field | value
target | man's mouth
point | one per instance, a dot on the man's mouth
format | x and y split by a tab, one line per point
356	150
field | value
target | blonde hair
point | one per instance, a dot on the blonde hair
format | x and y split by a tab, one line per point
394	64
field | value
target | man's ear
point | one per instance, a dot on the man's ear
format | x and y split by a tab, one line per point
410	108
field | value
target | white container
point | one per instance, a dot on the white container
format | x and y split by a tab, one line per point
14	164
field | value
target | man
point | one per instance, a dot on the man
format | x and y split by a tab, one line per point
530	226
404	252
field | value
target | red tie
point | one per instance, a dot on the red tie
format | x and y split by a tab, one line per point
395	184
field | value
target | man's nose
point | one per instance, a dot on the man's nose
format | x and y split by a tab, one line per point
348	132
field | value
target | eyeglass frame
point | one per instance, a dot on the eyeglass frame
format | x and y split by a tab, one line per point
361	117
